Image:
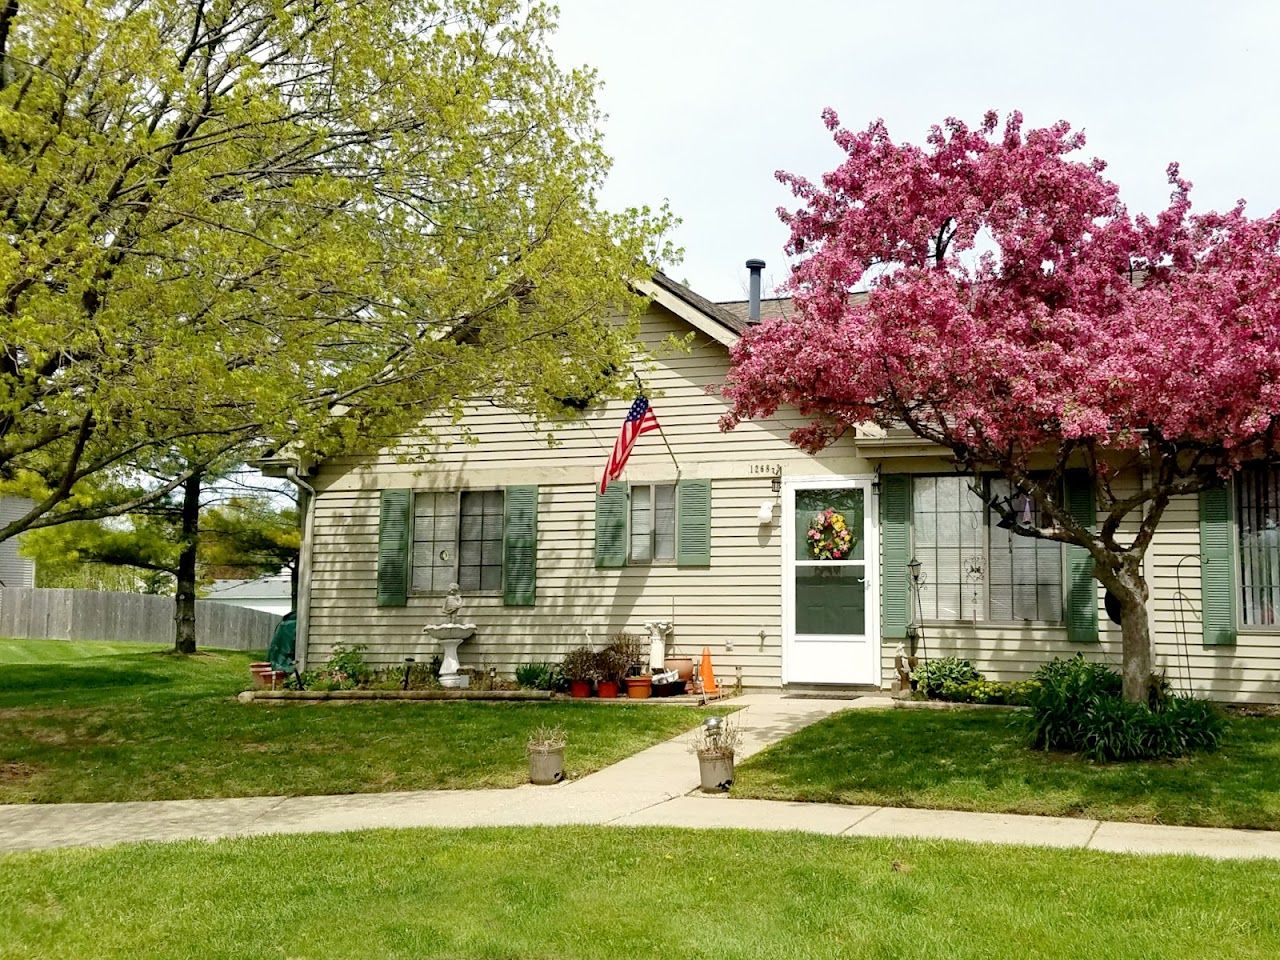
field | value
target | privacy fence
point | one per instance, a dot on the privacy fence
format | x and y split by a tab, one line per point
36	613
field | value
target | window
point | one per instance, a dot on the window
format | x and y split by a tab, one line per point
1258	519
1024	575
458	538
653	523
974	569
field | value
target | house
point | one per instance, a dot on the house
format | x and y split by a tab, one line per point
271	594
15	569
710	532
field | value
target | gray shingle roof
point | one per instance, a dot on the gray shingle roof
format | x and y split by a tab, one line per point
731	321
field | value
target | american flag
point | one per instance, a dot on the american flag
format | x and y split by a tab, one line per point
640	419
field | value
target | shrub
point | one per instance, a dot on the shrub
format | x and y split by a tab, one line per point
347	664
933	674
1013	693
632	649
539	676
612	664
1076	706
579	664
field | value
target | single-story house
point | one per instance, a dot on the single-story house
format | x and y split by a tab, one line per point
710	532
270	594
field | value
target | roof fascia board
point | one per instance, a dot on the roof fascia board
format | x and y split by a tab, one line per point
691	315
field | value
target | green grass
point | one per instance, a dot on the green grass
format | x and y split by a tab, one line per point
587	893
978	760
84	722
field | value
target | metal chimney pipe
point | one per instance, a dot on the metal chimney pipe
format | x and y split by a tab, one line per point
753	304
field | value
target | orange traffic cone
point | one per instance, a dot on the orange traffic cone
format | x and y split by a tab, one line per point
707	674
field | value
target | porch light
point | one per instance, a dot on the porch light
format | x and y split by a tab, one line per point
913	568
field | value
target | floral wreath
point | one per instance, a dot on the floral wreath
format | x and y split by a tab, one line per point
829	536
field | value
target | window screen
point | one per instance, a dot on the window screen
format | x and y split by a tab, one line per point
653	523
1258	517
435	536
480	540
458	538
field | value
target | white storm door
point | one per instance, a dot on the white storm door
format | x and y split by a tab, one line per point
829	589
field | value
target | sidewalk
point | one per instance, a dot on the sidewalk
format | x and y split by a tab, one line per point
652	788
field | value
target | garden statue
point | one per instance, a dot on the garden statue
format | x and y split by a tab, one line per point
451	633
452	602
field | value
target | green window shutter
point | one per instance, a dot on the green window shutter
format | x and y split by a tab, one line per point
395	514
693	523
611	526
1081	594
520	546
895	550
1217	568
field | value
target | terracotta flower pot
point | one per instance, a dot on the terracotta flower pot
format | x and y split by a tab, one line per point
261	674
681	665
639	688
580	689
607	689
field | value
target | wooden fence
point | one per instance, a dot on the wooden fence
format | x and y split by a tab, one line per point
36	613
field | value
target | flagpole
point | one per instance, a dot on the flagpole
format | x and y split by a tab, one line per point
668	446
640	389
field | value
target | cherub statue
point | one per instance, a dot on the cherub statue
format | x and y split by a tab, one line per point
452	603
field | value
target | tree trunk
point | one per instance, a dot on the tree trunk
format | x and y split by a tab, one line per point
1135	635
185	600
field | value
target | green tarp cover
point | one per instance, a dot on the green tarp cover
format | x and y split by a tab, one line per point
281	651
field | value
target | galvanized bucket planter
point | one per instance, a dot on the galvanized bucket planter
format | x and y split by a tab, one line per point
546	765
716	767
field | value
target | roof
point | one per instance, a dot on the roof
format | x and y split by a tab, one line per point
731	321
770	308
276	587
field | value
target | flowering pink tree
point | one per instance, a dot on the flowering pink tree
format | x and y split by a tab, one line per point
1019	317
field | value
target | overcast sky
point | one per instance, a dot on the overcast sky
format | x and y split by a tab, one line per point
707	98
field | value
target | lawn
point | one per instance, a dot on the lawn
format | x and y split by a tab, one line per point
977	760
82	722
587	893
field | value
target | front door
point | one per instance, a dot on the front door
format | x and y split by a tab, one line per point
829	589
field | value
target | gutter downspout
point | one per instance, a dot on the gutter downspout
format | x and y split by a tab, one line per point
308	494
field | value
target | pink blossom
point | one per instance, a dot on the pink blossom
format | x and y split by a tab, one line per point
1071	320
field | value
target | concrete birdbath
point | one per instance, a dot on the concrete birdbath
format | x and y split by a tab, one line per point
450	635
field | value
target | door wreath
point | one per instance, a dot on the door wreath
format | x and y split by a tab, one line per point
829	536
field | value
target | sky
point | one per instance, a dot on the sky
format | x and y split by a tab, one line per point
707	98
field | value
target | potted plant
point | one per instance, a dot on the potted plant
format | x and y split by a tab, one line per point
640	687
546	755
579	667
681	665
715	744
612	666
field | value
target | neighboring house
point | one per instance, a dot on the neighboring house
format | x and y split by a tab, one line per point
15	569
709	531
272	594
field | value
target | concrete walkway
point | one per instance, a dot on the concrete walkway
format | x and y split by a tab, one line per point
652	788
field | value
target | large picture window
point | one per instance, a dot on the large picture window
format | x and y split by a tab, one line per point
975	569
1258	519
457	538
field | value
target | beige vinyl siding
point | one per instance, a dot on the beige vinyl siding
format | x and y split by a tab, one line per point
725	607
1247	671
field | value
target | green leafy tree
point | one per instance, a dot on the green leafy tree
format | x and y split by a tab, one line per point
170	546
248	537
229	220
